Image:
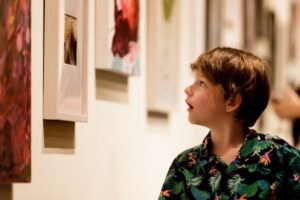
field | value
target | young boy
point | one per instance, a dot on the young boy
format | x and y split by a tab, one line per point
230	91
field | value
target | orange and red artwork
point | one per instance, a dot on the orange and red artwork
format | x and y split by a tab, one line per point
15	91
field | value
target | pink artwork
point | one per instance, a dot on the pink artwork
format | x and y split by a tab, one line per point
15	91
125	46
117	45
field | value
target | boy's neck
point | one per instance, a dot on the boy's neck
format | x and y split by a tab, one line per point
226	142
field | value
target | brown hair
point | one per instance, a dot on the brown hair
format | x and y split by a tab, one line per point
238	72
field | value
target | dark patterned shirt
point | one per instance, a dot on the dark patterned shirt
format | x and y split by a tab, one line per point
266	167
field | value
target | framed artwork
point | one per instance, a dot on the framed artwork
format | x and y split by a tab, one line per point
294	30
232	24
260	32
213	23
249	24
162	53
271	46
15	91
65	64
117	45
224	23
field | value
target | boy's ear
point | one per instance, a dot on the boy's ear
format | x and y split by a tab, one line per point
233	103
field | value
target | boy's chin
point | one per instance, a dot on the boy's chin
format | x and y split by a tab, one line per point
193	121
196	122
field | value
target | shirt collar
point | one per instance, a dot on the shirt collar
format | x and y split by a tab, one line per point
207	142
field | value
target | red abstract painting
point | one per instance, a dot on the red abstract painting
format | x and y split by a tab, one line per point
15	91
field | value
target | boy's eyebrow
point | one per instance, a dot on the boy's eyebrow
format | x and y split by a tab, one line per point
202	78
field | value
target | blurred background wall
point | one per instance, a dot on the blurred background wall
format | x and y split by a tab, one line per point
125	149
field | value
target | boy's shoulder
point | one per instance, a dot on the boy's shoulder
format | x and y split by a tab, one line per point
274	142
254	143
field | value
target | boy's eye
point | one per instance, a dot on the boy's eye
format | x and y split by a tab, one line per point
201	83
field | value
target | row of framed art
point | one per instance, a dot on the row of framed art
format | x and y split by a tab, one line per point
65	51
65	67
117	49
117	46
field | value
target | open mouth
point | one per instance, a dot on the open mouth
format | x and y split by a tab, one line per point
190	107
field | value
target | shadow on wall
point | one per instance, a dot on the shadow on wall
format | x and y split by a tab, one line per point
59	137
111	87
6	191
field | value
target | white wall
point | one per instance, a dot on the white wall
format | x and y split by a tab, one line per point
117	155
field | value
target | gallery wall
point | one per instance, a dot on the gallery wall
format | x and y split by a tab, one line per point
120	153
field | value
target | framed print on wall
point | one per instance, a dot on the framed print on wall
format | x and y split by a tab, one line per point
213	25
294	39
117	45
15	91
162	53
65	63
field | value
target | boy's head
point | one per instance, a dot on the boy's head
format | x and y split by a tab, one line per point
238	72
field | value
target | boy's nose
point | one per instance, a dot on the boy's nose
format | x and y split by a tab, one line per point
187	90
